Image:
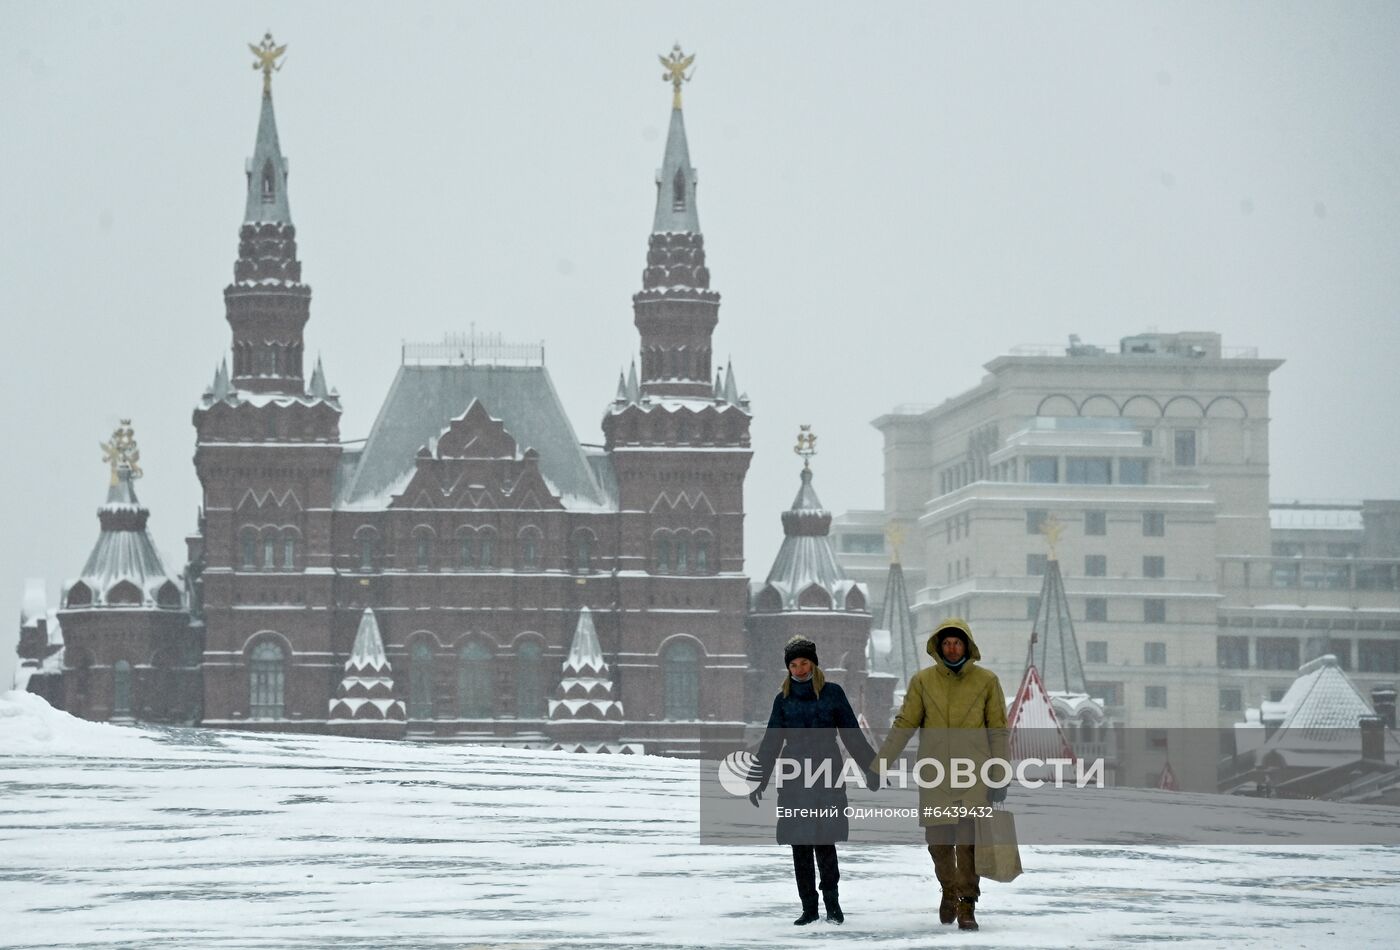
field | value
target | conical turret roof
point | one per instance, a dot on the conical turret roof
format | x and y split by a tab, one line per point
675	183
267	173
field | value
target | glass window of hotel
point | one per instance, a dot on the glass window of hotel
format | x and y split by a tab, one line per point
1096	609
1378	656
530	700
1132	471
680	664
1035	518
1090	471
1154	565
1095	565
1096	651
420	681
1277	653
1232	653
864	543
265	681
1154	524
1154	610
1095	522
1110	693
476	681
1043	469
1035	565
1155	697
1184	442
1231	699
1340	647
1154	654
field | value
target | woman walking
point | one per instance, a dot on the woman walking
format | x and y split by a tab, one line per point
808	712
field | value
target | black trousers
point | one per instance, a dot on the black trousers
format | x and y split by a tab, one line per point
804	857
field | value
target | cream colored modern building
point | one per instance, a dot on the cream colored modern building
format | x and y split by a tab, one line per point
1192	596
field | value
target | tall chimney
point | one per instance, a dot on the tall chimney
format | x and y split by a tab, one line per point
1372	738
1383	702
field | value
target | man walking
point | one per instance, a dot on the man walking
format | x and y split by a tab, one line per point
960	711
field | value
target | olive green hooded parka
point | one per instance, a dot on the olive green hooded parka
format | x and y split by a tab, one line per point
959	714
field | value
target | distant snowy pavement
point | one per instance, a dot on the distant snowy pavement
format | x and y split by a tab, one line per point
118	837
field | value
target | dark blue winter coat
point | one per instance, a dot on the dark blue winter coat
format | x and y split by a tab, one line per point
803	726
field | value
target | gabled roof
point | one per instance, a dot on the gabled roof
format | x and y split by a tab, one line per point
1323	701
423	401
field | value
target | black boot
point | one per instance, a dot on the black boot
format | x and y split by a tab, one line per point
833	907
804	869
966	919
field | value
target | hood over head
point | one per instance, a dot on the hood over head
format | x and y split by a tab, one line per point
953	626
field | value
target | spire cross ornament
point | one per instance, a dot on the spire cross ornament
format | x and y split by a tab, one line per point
1052	528
806	445
895	534
120	451
267	53
675	65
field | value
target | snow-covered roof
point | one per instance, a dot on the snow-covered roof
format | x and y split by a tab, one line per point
586	691
424	400
124	568
806	558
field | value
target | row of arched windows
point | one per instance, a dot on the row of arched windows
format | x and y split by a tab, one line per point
682	552
268	548
683	427
681	362
477	683
267	359
477	549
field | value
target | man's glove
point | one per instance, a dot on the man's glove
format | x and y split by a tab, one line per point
996	795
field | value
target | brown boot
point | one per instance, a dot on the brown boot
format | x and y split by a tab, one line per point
947	908
965	919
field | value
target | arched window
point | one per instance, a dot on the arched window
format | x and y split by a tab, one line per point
121	688
368	540
269	544
529	681
529	549
248	549
269	183
420	681
466	551
583	551
682	555
423	551
476	682
702	554
680	668
486	549
289	550
266	681
663	555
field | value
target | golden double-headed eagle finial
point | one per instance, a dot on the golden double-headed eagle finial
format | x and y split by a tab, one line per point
1052	528
675	65
806	445
120	451
895	534
268	53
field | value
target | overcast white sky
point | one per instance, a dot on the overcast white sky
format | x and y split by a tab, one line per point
890	199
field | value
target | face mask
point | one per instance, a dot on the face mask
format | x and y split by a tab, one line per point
802	679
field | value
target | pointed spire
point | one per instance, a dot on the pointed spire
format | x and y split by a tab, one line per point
621	397
731	387
719	384
634	389
267	172
585	654
675	181
368	652
221	387
898	619
319	390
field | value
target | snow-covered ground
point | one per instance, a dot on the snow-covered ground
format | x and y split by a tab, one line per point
119	837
